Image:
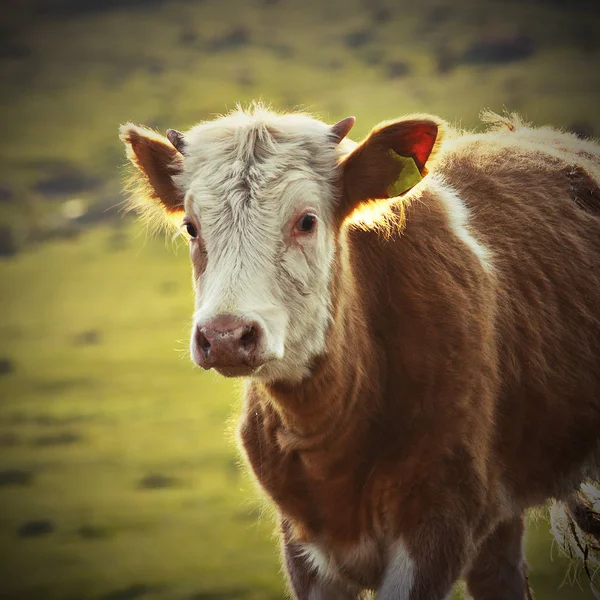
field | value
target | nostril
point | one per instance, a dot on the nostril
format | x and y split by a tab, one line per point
203	344
249	338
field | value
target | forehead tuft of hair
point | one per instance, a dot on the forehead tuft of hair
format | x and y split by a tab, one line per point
237	142
259	121
250	135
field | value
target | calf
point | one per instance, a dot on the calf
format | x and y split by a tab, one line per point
417	319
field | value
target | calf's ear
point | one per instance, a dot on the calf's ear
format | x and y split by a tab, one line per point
157	161
391	160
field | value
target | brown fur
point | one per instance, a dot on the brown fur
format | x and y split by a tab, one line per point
450	399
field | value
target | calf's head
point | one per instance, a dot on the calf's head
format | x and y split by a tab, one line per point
262	199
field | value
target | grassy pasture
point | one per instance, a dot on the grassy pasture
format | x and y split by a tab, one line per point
119	477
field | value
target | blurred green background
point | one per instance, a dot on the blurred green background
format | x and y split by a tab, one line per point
119	477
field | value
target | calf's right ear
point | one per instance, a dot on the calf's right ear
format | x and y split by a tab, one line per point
157	162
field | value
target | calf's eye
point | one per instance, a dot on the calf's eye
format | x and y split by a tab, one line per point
192	232
306	223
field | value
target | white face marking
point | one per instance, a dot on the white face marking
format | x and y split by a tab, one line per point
399	575
458	214
249	178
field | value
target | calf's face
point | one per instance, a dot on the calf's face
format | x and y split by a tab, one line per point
258	206
260	198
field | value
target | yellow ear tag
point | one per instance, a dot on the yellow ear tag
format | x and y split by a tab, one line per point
408	177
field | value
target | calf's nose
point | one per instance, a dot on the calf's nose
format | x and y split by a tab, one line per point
226	341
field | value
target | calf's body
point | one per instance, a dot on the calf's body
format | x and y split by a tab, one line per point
458	384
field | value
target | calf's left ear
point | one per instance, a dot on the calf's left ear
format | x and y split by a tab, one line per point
391	160
157	161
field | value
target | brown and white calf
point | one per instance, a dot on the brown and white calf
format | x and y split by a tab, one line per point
422	365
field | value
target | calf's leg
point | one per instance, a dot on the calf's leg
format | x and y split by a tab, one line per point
499	571
305	582
428	569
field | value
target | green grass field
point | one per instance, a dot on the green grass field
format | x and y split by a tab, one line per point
119	476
